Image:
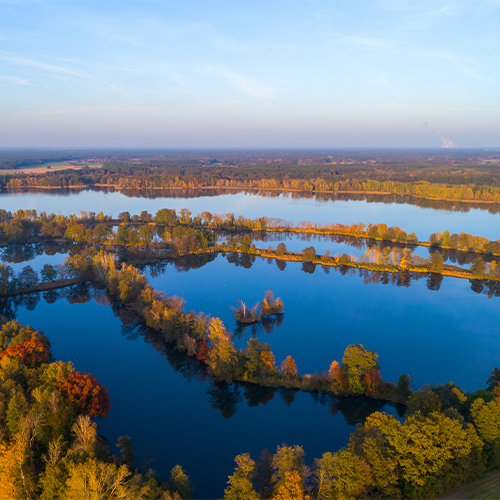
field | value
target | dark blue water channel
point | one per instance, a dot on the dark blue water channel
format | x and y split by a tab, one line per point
435	331
173	420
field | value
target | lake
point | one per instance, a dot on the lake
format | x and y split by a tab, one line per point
436	330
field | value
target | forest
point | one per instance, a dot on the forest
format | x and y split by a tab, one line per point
469	175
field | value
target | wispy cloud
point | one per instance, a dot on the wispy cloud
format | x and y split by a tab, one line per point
366	42
15	79
433	108
56	70
245	84
380	80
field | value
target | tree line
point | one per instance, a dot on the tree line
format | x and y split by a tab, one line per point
465	191
171	228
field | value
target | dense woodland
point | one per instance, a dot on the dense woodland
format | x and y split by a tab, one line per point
462	175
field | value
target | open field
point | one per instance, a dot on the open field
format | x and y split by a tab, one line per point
486	488
50	167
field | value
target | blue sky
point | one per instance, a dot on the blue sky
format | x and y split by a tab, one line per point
249	73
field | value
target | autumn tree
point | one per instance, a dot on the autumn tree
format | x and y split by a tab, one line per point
83	392
338	376
269	362
486	418
130	283
241	482
309	253
288	367
180	484
222	357
371	444
96	479
288	460
358	361
254	353
291	488
281	248
32	352
372	381
342	475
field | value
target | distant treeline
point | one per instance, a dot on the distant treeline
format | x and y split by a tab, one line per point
438	177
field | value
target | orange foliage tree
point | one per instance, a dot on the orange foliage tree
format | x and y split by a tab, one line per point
269	362
32	352
86	394
203	354
338	376
288	367
372	381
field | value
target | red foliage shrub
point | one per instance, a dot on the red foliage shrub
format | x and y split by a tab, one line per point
203	354
86	394
372	380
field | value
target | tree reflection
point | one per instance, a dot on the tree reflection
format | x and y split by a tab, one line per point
50	296
256	394
265	324
308	267
224	397
434	281
281	265
355	410
288	395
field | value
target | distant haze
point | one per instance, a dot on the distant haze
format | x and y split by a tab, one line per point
250	74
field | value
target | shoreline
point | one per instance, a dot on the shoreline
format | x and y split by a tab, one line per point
292	190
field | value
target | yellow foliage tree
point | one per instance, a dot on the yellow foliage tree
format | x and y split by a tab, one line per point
291	488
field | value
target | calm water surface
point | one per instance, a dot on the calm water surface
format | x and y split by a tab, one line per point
435	330
176	421
423	221
429	334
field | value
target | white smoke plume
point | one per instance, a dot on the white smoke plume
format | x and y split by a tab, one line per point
446	142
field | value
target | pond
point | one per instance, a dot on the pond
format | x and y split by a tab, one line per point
173	420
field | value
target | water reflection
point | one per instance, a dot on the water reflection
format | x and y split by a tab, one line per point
16	253
224	397
449	205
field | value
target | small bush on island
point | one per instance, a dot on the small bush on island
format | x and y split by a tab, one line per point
268	307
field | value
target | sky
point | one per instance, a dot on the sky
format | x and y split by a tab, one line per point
249	73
